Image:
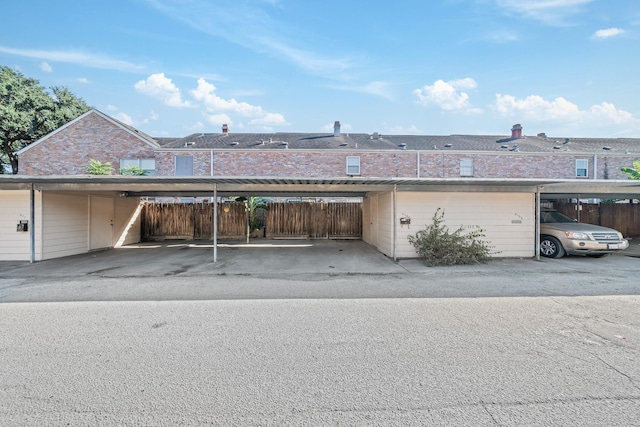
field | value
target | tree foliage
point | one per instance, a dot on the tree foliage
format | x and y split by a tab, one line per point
97	167
255	206
28	111
438	246
634	172
133	171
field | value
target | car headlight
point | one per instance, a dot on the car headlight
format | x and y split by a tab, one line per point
576	235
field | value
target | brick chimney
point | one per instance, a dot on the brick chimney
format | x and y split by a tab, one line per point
336	128
516	131
225	128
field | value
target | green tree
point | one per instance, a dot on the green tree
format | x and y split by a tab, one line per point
28	111
97	167
254	205
634	172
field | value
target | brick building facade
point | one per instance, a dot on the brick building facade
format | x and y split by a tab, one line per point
94	135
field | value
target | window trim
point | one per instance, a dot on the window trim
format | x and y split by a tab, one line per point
585	168
466	169
353	162
175	165
138	161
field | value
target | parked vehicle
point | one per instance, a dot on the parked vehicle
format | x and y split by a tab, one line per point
560	235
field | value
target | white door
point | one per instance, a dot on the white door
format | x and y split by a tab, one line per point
100	222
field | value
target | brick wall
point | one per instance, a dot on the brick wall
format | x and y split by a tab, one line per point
68	151
331	163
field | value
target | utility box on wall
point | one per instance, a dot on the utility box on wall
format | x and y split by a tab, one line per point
23	225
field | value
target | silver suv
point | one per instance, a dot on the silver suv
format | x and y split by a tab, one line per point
560	234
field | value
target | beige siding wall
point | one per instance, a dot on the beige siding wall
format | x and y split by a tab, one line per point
385	224
127	221
65	224
14	207
366	220
507	218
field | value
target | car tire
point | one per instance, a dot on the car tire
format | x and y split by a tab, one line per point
550	247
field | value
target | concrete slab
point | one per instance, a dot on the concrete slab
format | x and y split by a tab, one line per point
260	257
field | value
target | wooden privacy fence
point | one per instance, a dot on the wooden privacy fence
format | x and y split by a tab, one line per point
314	220
624	217
192	221
162	221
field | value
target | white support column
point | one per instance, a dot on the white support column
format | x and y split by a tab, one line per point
395	219
538	223
32	225
215	222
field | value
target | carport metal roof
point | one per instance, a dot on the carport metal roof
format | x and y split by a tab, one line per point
151	186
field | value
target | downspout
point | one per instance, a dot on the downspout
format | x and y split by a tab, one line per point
595	166
538	223
215	222
32	220
395	227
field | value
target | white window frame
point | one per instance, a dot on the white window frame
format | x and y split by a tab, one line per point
466	166
142	163
582	168
353	165
176	166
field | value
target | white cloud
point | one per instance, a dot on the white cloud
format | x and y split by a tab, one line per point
561	113
205	93
270	119
46	67
78	58
549	11
219	119
448	95
152	117
607	33
124	118
217	108
376	88
111	108
83	80
254	26
401	130
160	87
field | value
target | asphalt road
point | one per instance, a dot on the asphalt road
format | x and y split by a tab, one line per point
163	336
465	361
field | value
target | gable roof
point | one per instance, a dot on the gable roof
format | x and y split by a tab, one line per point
133	131
367	142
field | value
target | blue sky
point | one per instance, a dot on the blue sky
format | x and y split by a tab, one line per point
173	67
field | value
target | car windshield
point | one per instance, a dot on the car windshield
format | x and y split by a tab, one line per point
554	216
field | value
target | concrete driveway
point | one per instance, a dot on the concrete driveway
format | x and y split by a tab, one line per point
282	269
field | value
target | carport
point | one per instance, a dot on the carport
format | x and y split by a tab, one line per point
394	211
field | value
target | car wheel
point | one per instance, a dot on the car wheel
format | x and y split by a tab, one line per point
550	247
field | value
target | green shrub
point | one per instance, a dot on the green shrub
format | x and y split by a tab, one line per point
133	171
440	247
97	167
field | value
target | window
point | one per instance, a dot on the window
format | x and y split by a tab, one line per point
353	165
184	165
582	166
147	165
466	167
